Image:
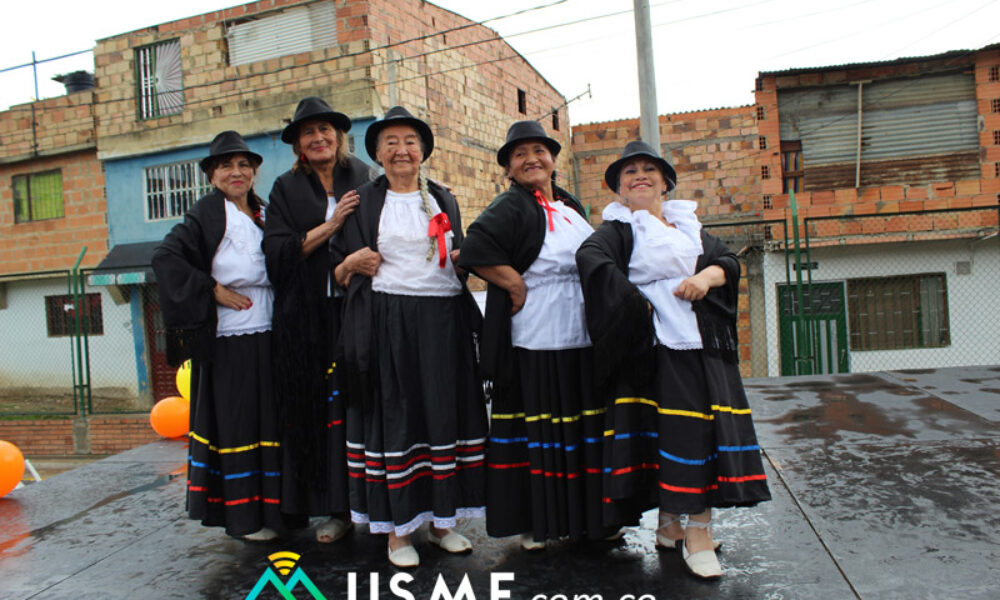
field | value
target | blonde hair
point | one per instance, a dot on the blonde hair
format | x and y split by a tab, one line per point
340	157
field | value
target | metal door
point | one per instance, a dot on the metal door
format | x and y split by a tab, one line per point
822	345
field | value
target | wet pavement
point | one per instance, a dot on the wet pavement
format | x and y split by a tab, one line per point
886	485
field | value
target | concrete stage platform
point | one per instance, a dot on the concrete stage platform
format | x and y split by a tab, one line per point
886	485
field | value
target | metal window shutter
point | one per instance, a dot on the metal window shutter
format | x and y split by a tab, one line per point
293	31
901	118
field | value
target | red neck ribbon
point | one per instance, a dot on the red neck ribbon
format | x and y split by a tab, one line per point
439	226
549	210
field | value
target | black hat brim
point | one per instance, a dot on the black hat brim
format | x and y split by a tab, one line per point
613	172
422	129
340	121
207	162
503	154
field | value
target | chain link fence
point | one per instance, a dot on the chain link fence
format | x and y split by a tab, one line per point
861	293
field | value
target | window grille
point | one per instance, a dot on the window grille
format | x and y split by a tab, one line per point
59	313
170	190
889	313
159	79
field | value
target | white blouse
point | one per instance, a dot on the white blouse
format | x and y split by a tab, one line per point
403	243
552	317
238	264
662	258
331	287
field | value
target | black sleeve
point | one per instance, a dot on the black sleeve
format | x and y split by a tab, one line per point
282	243
717	311
492	237
182	264
618	316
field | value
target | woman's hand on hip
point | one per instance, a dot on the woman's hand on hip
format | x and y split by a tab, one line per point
518	294
230	299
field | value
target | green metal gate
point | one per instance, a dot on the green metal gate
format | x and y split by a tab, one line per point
824	339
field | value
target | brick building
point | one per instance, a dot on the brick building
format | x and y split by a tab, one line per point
896	171
127	153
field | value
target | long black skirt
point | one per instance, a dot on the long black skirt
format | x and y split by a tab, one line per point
234	462
303	493
544	456
685	445
416	426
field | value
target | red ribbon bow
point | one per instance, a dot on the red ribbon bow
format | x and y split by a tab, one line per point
549	209
439	226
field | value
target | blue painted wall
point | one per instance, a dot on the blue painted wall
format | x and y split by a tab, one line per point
123	180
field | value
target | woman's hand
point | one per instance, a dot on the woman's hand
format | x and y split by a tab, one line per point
364	262
695	287
508	279
230	299
345	206
320	234
518	294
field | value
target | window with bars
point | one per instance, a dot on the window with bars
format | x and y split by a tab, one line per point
159	80
60	312
768	201
995	105
890	313
761	113
37	196
170	190
762	142
995	73
765	172
996	137
792	173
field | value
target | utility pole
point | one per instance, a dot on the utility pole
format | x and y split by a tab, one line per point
649	123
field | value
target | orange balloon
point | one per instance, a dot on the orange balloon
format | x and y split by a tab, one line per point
169	417
11	467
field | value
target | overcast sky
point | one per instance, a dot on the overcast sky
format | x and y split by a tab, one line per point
707	52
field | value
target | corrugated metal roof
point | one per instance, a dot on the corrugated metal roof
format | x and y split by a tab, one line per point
879	63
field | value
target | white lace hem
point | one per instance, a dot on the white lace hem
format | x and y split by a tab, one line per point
416	522
243	331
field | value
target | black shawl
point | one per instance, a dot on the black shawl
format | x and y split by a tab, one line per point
510	231
183	268
360	230
618	316
300	326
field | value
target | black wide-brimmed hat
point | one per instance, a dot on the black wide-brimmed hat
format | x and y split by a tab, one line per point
398	115
523	131
314	108
636	149
228	142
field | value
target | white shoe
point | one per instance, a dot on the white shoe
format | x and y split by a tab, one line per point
456	543
333	530
405	557
528	543
703	564
264	534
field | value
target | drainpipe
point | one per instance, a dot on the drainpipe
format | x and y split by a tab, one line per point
857	160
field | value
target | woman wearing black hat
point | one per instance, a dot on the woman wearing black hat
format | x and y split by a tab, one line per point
544	455
417	417
308	205
661	300
216	303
